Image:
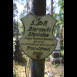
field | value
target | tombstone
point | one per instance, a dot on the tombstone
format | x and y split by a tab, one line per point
56	55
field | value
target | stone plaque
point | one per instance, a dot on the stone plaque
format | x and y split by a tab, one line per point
38	41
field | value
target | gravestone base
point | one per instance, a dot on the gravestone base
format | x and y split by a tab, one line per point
57	60
56	57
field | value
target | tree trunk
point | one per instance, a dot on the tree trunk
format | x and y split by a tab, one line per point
51	8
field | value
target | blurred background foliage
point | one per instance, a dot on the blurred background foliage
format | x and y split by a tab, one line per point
20	10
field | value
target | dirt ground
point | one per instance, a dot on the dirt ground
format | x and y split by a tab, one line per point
57	70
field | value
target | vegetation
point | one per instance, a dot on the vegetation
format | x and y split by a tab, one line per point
18	28
58	29
14	73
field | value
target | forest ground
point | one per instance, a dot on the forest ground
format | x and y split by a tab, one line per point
56	69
